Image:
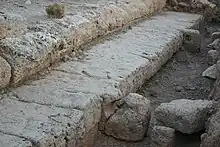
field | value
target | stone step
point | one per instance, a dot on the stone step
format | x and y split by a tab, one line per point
107	72
36	41
43	126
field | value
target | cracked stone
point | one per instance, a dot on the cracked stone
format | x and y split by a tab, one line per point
131	121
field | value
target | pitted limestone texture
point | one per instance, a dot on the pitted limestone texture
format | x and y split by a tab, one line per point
46	40
13	141
41	125
5	73
109	71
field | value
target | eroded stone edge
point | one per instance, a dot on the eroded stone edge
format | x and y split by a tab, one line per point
120	14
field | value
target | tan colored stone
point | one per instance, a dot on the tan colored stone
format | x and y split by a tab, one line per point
5	73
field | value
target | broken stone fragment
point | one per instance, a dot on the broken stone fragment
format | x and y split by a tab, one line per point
182	4
186	116
215	44
3	31
192	40
210	72
5	73
172	2
131	121
212	136
28	2
212	57
205	3
215	35
162	136
55	10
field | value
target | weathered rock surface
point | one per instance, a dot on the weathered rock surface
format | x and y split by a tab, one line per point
212	57
107	73
212	136
215	44
210	72
131	121
186	116
205	3
192	40
5	73
199	6
215	93
162	137
47	40
215	35
13	141
43	126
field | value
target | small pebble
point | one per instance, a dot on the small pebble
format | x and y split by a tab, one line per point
28	2
215	35
182	4
153	94
178	89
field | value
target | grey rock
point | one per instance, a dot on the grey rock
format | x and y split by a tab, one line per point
5	73
162	137
173	2
192	40
131	121
215	35
210	72
212	56
186	116
212	136
178	88
183	4
28	2
205	3
215	44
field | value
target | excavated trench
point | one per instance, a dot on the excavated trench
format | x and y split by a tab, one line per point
180	78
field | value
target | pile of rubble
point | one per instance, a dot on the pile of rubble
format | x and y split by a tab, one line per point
205	7
211	137
134	119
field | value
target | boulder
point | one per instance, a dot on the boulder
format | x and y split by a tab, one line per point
162	137
206	3
212	136
215	93
215	44
212	56
215	35
172	2
186	116
131	120
210	72
192	40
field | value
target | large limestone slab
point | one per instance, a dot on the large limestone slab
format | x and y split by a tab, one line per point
63	91
41	41
118	66
42	125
